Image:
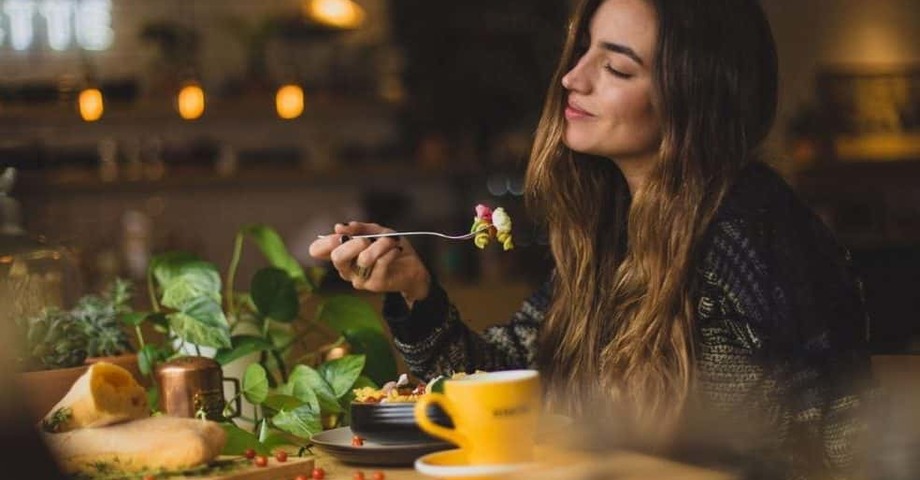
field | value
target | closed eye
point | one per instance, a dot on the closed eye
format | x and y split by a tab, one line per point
617	73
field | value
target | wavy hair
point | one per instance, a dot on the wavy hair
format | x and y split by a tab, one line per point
620	327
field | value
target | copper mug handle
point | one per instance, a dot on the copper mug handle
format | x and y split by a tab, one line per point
237	399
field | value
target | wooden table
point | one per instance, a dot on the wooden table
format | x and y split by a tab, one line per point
621	465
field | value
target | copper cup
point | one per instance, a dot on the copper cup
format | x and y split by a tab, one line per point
190	385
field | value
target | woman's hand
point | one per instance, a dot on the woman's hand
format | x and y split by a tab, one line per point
388	264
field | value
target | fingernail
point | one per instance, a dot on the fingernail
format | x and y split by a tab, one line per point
345	238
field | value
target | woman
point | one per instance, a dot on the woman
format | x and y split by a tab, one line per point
690	283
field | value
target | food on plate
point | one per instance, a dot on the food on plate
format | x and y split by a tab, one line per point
492	225
161	443
402	391
105	394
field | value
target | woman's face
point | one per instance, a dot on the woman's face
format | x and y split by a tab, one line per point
610	110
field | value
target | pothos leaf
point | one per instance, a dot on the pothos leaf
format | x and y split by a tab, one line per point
303	421
341	373
239	440
304	377
255	384
272	246
274	294
202	322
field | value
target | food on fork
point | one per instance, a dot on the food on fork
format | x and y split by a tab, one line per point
492	224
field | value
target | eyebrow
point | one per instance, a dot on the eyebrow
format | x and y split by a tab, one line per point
624	50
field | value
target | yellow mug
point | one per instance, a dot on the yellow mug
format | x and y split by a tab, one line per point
494	414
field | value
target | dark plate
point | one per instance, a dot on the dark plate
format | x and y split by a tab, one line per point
337	442
394	423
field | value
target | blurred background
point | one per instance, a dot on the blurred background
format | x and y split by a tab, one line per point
138	127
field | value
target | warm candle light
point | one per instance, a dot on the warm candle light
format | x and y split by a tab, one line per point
289	101
191	101
336	13
91	104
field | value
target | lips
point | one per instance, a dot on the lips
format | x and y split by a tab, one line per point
574	112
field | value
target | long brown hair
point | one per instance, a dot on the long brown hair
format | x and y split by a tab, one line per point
620	327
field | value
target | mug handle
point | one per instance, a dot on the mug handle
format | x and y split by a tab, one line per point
237	399
421	416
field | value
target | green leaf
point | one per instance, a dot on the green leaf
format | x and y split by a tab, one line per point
255	384
241	345
303	421
147	358
363	381
166	266
239	440
134	318
278	402
202	322
348	313
381	363
274	294
153	397
272	246
341	373
189	282
274	440
304	377
263	430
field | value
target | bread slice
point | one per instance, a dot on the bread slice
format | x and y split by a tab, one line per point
105	394
161	443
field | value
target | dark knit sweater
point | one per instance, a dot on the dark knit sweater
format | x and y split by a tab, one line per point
779	332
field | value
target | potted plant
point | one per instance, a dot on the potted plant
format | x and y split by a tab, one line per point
295	386
57	346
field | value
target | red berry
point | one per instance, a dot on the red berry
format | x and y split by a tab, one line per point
250	453
378	475
357	441
359	475
281	456
261	460
318	473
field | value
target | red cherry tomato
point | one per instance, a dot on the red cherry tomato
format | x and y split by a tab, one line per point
318	473
357	441
281	456
250	453
359	475
378	475
261	460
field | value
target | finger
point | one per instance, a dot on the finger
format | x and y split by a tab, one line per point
377	249
359	228
385	262
343	256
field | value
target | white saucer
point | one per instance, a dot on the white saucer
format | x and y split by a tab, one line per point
452	464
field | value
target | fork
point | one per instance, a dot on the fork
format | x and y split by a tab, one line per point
465	236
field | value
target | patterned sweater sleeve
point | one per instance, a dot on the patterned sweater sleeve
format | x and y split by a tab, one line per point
433	339
800	307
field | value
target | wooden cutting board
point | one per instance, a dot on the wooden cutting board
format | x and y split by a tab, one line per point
275	470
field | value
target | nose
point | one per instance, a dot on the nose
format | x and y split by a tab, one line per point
575	80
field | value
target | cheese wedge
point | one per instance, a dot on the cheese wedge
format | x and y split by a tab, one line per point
161	443
105	394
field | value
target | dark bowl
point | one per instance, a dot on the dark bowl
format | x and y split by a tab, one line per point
394	423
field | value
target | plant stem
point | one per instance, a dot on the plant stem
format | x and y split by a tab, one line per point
197	350
140	336
231	274
282	369
151	293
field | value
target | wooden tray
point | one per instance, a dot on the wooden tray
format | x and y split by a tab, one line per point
275	470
